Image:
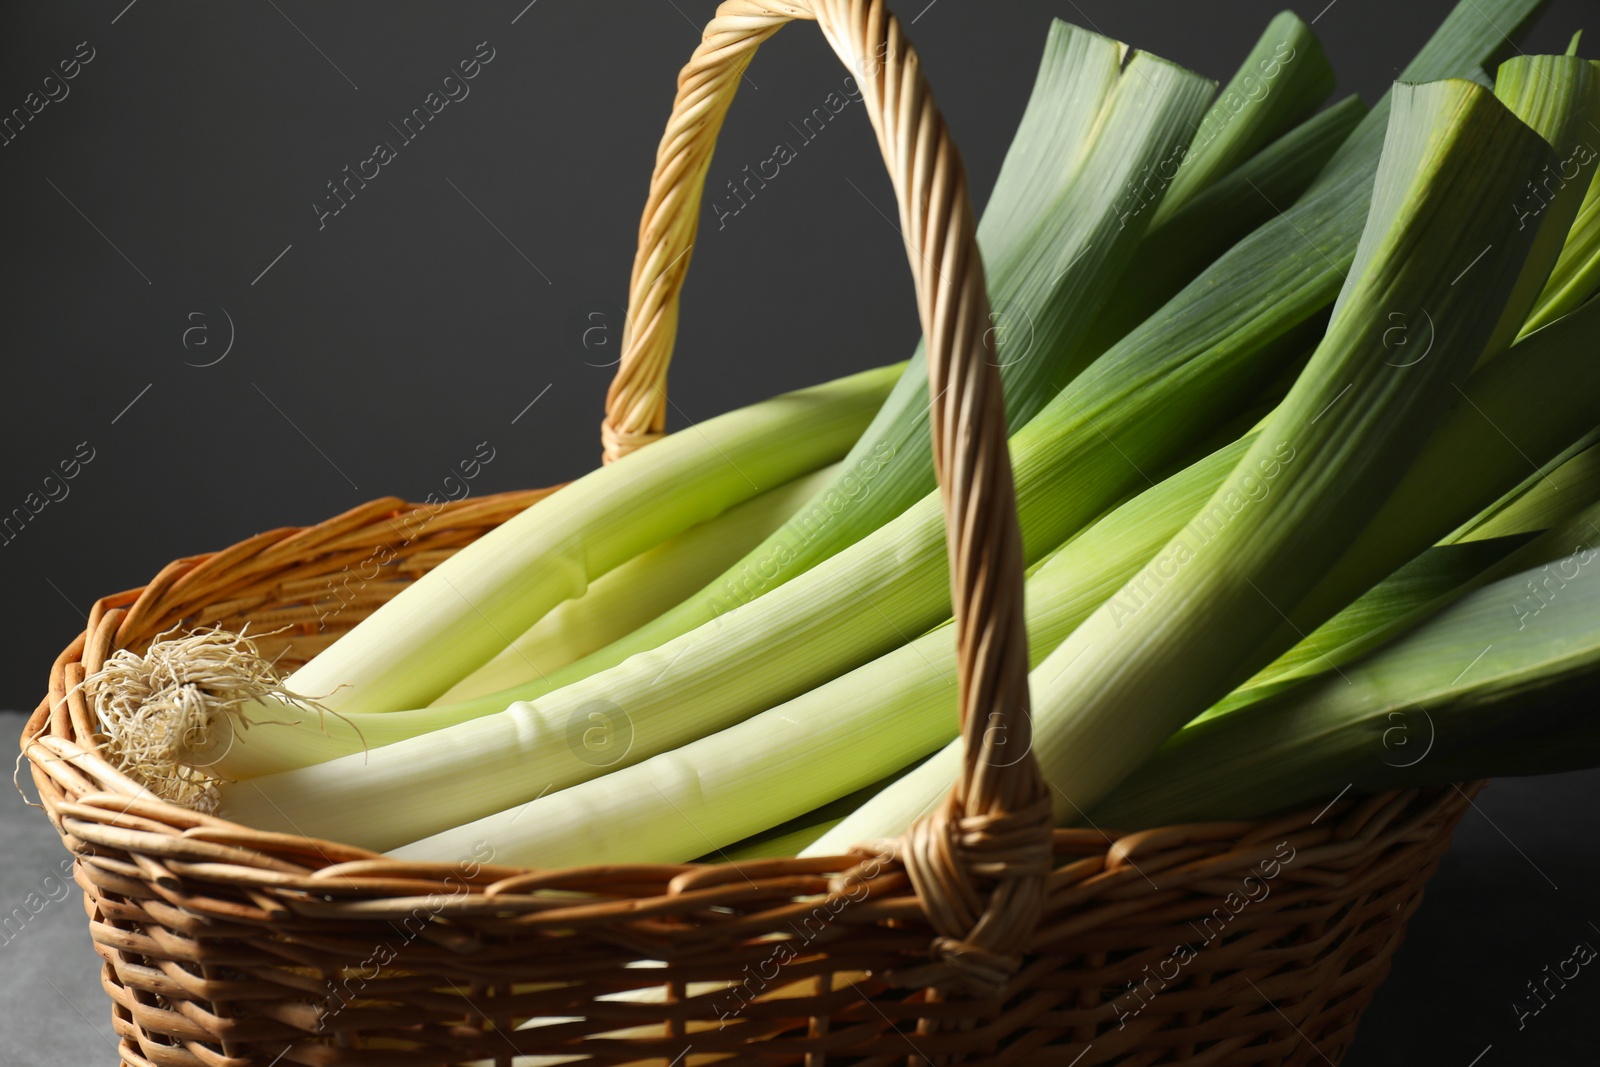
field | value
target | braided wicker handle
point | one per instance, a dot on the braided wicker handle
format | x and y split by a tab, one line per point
979	861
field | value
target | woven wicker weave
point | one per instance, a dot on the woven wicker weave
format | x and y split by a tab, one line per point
983	937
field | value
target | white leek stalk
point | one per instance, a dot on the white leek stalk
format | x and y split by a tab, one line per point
637	591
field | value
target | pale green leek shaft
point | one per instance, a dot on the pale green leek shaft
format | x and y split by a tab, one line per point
467	609
1467	695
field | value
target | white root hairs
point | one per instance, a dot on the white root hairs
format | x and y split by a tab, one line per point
162	712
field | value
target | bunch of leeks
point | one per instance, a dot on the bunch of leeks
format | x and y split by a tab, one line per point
1276	470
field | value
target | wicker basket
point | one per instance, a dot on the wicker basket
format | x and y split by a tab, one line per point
982	936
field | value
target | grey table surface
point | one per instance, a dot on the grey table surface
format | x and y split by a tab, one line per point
1516	893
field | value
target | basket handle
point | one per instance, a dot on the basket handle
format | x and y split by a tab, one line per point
978	862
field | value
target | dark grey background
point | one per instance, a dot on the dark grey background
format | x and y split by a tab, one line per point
485	268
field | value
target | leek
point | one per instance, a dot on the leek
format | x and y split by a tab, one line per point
459	615
1577	272
1171	254
1559	97
1468	694
637	591
1338	444
1089	447
1571	479
1421	588
1042	536
1523	406
1181	246
1049	274
1282	79
843	735
1083	452
1257	103
1151	796
876	719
